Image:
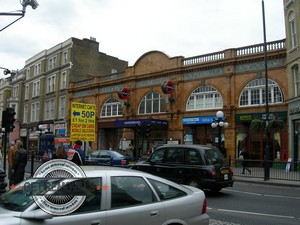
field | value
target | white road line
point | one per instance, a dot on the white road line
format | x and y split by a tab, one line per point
258	214
265	195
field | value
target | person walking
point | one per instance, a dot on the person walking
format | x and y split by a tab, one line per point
10	160
245	160
77	147
60	153
19	163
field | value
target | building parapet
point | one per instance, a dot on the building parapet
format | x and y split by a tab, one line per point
238	52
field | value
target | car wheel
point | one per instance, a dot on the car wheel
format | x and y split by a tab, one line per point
193	182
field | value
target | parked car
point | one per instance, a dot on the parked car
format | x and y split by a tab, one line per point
113	196
109	158
197	165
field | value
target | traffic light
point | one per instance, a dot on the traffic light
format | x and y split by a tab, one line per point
10	119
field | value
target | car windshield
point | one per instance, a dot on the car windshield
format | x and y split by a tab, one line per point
21	196
214	156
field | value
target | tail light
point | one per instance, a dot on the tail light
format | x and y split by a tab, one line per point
213	173
204	206
123	162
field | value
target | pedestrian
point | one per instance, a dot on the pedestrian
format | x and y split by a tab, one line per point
77	147
60	153
244	155
74	156
10	159
19	163
129	150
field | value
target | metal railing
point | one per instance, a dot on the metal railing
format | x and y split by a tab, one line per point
279	170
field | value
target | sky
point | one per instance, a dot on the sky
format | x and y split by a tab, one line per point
127	29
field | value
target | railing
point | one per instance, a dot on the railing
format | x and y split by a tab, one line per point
237	52
279	170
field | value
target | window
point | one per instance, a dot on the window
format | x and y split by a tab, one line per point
52	63
63	80
37	69
51	84
49	109
204	97
65	57
175	155
15	93
295	71
158	155
130	191
25	114
166	191
193	157
111	107
62	107
152	103
35	111
36	89
26	94
254	93
292	30
27	73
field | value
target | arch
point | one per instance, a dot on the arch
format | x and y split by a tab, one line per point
254	93
111	108
152	102
204	97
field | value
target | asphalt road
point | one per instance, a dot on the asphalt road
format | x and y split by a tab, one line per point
252	203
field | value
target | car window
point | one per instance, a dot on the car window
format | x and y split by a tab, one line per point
175	155
95	154
214	156
165	191
129	191
192	156
104	154
157	155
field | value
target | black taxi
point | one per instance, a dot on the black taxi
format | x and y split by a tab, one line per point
196	165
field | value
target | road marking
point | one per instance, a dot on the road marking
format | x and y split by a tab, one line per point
265	195
258	214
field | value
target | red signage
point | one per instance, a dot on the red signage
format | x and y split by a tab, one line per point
123	93
168	87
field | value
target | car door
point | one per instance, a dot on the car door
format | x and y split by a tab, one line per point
133	202
90	212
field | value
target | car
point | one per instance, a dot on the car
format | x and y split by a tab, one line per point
114	195
109	158
201	166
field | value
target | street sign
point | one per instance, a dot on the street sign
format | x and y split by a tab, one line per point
123	93
168	87
83	121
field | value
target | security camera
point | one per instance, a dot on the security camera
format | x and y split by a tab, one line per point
33	3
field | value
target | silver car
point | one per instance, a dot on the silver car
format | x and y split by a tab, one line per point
110	196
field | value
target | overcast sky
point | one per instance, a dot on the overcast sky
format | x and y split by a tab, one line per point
127	29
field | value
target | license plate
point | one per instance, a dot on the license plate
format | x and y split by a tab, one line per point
131	162
225	176
224	171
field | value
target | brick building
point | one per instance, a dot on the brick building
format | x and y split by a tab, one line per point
231	81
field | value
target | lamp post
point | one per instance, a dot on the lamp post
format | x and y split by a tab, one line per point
21	13
219	123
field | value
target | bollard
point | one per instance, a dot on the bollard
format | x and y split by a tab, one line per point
3	183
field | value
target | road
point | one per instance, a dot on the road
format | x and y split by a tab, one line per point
251	203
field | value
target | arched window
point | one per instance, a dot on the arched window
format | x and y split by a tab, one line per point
204	97
152	103
112	107
296	79
254	93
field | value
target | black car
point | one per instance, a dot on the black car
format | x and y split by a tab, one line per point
196	165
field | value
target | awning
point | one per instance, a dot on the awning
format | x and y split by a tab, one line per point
133	123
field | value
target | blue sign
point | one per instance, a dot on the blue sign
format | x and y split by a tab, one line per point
133	123
198	120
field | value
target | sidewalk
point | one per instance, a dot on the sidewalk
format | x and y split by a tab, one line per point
258	177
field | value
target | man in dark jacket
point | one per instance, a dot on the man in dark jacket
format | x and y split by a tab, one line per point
19	163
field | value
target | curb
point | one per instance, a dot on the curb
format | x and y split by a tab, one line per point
286	183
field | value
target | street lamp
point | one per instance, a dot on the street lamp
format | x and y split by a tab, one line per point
33	3
219	123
